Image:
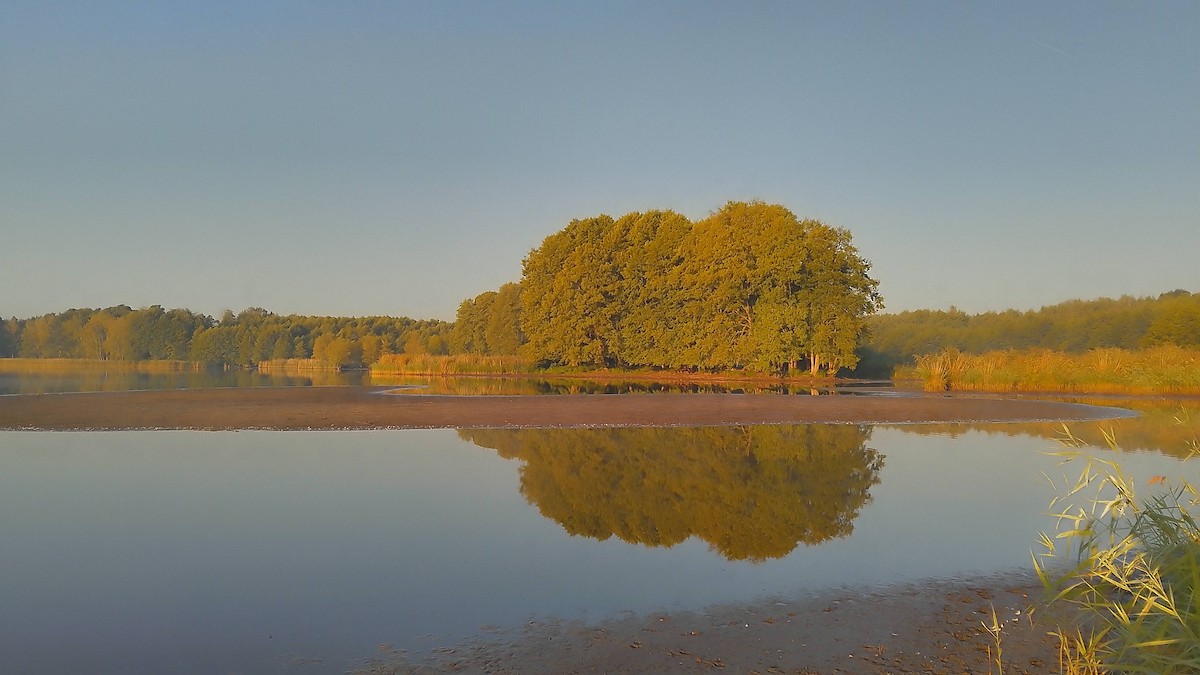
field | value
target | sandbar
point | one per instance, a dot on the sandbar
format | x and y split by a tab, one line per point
932	626
361	407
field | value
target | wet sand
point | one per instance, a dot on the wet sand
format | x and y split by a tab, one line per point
295	408
929	627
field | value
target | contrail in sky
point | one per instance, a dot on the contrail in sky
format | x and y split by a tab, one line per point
1051	48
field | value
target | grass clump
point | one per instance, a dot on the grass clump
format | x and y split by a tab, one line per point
1129	579
445	366
285	366
943	370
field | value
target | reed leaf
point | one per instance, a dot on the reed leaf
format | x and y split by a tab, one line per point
1133	589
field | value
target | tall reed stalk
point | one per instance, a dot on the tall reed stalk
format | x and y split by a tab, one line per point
1131	581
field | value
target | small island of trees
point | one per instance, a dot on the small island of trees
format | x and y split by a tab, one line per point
751	287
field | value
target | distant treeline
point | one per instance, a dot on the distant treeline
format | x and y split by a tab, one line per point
751	287
1075	326
244	339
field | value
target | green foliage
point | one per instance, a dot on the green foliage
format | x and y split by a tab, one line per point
8	338
217	346
569	283
470	325
1132	580
1074	326
54	336
489	324
437	344
502	331
1176	321
749	287
335	351
242	340
156	333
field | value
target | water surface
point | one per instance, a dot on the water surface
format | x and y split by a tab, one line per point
206	552
99	379
304	552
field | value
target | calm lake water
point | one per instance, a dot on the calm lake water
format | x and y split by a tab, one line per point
303	552
124	379
14	380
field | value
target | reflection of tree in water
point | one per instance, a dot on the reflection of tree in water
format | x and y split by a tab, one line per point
524	386
751	492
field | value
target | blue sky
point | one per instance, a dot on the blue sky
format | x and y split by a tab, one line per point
397	157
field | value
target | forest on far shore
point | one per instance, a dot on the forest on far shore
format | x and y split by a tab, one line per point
1073	327
244	339
255	335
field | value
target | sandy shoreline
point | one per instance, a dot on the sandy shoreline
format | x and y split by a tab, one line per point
933	626
311	408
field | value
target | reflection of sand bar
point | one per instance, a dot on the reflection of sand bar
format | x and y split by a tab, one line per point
359	408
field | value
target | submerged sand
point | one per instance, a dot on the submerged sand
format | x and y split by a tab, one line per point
295	408
935	627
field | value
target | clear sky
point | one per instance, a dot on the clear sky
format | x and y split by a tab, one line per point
354	158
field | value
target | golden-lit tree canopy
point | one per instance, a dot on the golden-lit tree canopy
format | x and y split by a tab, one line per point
752	493
751	286
490	323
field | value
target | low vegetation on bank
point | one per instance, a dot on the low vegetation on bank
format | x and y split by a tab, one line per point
1159	370
444	366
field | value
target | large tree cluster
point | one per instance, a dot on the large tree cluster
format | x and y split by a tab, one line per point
749	287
